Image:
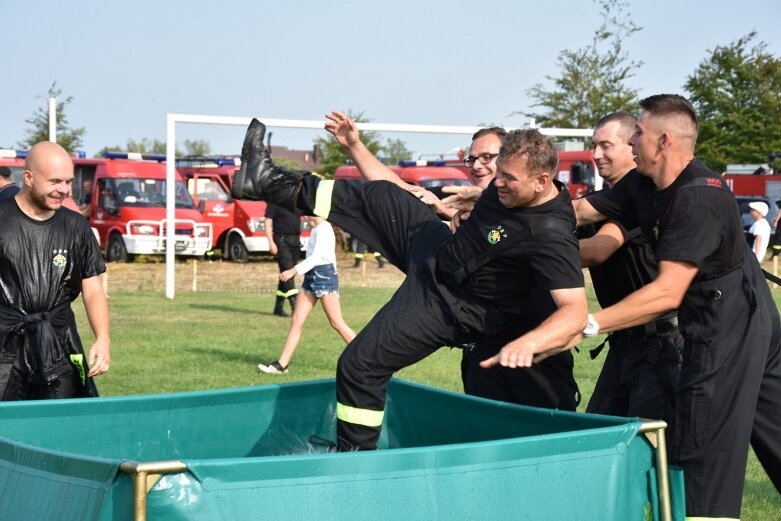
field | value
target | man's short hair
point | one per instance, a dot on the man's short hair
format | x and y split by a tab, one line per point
496	131
5	171
665	105
538	150
626	123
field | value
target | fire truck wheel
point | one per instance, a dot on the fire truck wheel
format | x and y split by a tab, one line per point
116	251
237	252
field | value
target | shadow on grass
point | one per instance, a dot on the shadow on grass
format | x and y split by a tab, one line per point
229	309
233	356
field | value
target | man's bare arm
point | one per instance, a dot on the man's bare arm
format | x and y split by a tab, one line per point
96	306
597	249
586	213
664	294
268	225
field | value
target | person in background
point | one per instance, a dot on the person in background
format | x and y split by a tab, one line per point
210	192
283	229
360	252
48	256
321	282
760	230
775	246
86	197
8	188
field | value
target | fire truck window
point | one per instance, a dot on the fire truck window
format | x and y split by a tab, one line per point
210	190
126	192
107	199
576	173
582	173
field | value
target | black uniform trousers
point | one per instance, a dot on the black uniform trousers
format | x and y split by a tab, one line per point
419	318
640	375
287	257
548	384
729	393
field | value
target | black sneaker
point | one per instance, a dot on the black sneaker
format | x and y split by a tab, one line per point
272	368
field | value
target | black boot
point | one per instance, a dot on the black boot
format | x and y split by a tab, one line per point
380	262
279	309
259	179
292	300
357	263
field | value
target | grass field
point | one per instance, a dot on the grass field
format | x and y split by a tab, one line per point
209	340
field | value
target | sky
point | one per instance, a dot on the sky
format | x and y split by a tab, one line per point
438	62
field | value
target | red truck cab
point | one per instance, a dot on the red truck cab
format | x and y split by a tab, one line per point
238	226
578	171
754	179
428	174
127	207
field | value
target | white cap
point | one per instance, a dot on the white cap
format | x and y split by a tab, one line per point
760	207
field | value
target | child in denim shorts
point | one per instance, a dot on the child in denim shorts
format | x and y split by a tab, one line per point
321	282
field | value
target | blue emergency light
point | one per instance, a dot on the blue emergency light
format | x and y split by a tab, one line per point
438	162
5	152
135	156
207	161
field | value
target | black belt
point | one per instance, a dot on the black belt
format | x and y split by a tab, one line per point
661	325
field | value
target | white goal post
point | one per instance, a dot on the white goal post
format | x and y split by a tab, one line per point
173	119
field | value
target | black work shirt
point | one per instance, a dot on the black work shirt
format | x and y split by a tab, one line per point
628	269
42	263
699	224
285	221
8	192
548	259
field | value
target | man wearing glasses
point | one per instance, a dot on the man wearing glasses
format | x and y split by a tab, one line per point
481	162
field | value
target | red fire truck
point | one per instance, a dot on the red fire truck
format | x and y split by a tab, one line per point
238	226
754	180
127	207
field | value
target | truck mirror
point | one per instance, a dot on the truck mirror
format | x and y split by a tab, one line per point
201	205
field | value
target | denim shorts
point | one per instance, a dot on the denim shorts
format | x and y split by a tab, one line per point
321	280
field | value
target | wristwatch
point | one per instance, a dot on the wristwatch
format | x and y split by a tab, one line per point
592	327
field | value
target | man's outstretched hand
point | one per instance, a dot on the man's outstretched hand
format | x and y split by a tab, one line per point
342	128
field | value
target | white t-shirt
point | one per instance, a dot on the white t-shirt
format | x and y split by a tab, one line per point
761	232
320	248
